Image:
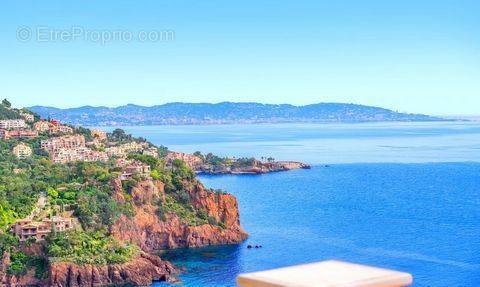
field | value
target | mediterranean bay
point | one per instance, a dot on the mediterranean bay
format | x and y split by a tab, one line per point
394	195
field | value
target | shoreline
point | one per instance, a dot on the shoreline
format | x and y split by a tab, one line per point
257	172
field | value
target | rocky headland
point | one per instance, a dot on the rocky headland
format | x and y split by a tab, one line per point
147	230
152	233
211	164
140	271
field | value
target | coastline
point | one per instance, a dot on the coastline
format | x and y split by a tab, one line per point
292	165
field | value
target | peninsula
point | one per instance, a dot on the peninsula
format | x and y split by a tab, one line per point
212	164
225	113
81	207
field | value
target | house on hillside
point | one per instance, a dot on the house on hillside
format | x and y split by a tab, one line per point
27	228
135	168
28	117
99	134
22	151
42	126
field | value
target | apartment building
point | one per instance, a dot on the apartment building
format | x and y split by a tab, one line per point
124	149
22	151
65	155
12	124
68	142
60	129
28	134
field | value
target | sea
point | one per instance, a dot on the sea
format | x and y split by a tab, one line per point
404	196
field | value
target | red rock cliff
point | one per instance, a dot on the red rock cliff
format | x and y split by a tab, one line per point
141	271
149	232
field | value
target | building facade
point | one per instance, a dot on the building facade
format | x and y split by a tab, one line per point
99	134
54	144
65	155
131	168
28	117
41	126
153	151
124	149
60	129
190	160
12	124
22	151
6	134
27	228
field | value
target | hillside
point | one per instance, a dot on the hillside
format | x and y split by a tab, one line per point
82	207
224	113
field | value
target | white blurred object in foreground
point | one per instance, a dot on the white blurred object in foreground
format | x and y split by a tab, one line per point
330	273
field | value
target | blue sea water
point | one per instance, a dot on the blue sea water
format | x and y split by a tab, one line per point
397	195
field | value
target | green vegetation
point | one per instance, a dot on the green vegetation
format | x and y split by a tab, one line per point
6	113
186	212
88	248
82	187
214	160
19	189
85	132
19	261
177	180
6	103
119	135
162	151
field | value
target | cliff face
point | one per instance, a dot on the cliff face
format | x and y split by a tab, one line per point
149	232
141	271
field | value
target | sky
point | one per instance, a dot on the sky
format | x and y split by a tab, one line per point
410	56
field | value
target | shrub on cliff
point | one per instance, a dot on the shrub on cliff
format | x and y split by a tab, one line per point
184	211
88	248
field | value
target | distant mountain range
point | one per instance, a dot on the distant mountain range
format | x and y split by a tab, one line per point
224	113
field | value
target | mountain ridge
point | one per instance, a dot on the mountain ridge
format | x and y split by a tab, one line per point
225	113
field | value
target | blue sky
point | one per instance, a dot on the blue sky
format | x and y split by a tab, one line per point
415	56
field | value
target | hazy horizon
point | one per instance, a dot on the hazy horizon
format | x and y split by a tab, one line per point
263	103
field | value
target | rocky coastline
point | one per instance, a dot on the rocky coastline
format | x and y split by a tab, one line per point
150	233
211	164
142	270
260	168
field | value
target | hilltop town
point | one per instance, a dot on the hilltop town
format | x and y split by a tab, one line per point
81	207
64	144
